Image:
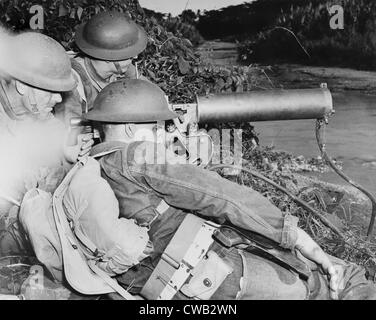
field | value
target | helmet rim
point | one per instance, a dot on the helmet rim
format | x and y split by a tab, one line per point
54	85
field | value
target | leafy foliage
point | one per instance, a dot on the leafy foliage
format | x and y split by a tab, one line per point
239	22
61	16
170	60
253	25
354	46
183	26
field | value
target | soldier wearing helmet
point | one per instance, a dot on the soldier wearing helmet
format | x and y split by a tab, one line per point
32	139
107	42
129	217
36	78
144	104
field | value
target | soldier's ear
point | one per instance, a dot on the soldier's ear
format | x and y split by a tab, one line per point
20	87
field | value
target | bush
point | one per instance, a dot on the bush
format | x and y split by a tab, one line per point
355	46
169	60
183	26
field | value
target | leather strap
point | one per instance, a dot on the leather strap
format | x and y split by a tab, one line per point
111	282
105	153
230	236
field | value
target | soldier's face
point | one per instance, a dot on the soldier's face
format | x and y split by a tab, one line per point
106	69
45	100
37	101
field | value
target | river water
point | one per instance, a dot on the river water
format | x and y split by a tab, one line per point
351	137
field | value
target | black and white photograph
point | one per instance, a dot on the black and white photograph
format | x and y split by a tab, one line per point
195	152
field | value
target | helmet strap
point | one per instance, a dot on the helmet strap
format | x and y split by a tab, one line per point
4	102
136	66
32	102
117	66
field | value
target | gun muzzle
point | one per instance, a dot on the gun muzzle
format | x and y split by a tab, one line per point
79	122
268	105
80	126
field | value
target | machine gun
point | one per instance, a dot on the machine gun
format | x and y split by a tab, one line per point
266	105
184	132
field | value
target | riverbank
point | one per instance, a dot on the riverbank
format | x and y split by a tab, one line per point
291	75
337	79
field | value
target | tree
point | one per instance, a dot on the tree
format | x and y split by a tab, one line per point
188	16
169	60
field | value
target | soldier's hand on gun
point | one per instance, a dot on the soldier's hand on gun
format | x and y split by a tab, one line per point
81	149
312	251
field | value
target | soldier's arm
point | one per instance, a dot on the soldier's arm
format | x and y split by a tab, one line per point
192	188
92	202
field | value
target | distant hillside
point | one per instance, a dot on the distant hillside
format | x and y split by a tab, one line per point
241	21
297	31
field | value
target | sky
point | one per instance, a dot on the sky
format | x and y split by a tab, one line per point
175	7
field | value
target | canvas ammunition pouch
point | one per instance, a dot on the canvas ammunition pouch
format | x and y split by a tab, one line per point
187	264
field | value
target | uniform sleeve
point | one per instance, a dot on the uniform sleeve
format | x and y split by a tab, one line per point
192	188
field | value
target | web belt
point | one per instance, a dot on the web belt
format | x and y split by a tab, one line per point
187	248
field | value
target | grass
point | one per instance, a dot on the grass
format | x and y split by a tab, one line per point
281	167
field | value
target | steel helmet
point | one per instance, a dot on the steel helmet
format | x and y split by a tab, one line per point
41	62
111	36
130	100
